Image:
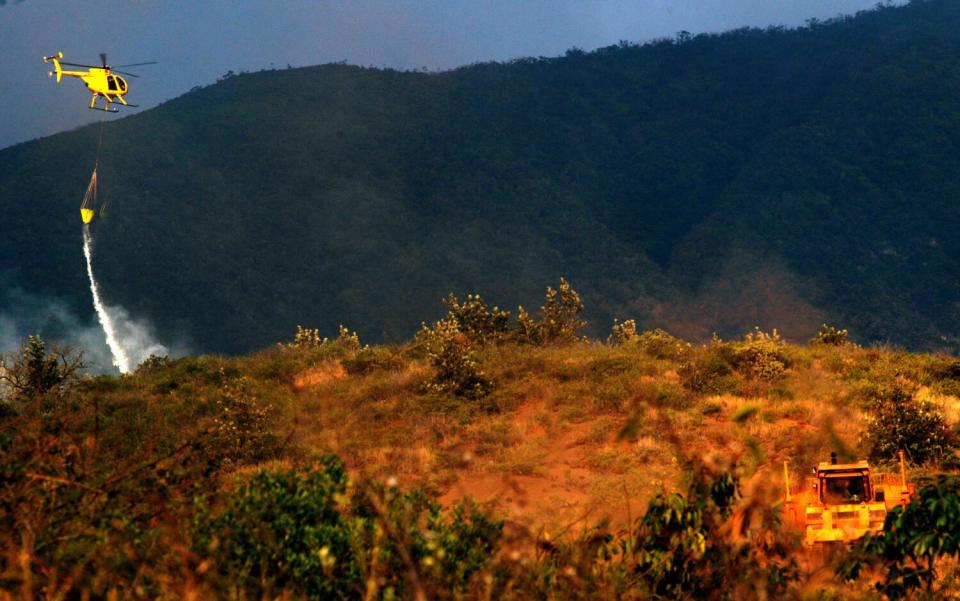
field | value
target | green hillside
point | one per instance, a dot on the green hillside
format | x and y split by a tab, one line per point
710	183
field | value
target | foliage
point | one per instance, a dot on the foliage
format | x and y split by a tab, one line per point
662	345
913	540
300	530
831	335
898	421
454	356
309	339
438	551
622	333
82	515
283	530
690	546
760	356
709	371
241	423
706	543
475	320
559	318
141	486
32	373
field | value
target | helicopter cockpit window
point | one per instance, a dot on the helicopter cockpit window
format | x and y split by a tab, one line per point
121	84
846	489
111	83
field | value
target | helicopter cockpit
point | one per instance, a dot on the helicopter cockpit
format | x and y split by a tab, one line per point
115	83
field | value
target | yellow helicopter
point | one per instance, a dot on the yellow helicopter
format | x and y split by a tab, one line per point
101	81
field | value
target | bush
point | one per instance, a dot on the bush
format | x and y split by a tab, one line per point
559	318
945	375
298	531
83	518
454	357
831	336
709	544
710	372
445	549
913	539
622	333
241	424
760	356
309	339
475	320
898	421
661	345
283	530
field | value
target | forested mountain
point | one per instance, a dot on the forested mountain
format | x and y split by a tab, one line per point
778	178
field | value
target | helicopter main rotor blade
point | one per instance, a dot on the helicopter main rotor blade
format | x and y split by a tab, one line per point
137	64
125	73
79	65
103	59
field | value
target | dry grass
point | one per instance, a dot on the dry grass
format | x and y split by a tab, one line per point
545	446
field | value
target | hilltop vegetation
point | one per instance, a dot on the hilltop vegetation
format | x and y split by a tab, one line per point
495	455
703	184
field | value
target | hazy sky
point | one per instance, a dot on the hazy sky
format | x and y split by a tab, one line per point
197	42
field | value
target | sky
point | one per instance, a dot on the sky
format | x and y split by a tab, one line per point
195	43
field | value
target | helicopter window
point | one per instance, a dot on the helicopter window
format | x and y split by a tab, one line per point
111	83
121	84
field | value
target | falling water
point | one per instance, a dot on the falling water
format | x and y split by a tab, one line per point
120	358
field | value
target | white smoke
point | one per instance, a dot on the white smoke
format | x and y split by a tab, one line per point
129	341
22	313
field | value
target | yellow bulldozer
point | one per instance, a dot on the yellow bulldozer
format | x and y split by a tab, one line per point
841	502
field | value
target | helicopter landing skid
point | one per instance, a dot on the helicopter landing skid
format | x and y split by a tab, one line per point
111	109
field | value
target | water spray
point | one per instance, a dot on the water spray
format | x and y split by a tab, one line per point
120	358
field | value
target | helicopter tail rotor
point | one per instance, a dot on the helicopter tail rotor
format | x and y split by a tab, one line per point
56	65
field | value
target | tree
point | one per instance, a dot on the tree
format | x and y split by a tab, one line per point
31	374
898	421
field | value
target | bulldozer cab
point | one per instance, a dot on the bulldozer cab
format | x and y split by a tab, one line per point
844	486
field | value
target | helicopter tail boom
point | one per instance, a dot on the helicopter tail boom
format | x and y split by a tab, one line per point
56	65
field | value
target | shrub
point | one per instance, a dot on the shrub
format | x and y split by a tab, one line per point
153	364
709	372
831	336
83	518
283	530
898	421
709	544
241	427
945	374
475	320
622	333
760	356
454	357
298	530
412	533
661	345
309	339
913	539
559	318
